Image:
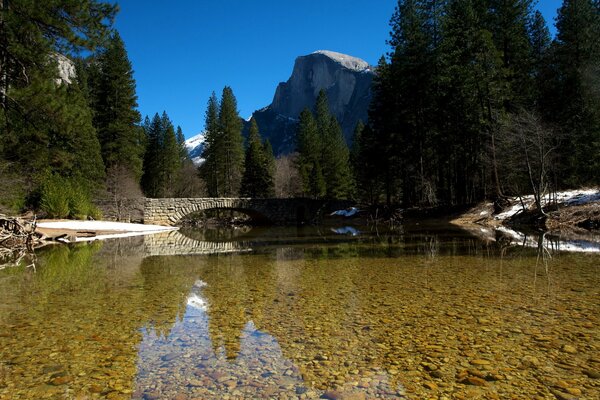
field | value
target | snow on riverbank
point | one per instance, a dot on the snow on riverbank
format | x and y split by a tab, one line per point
569	198
108	229
551	243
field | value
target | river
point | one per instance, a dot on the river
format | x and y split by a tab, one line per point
338	312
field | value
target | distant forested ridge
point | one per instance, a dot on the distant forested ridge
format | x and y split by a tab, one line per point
475	100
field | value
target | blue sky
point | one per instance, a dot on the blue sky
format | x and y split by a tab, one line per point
182	50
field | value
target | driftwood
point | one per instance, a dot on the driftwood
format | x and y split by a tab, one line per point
18	239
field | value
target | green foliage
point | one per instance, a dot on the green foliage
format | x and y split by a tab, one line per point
211	153
336	162
115	102
309	144
457	71
163	157
576	84
257	180
54	197
224	148
323	160
230	128
62	197
34	32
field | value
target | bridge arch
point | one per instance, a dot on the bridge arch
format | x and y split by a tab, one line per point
168	211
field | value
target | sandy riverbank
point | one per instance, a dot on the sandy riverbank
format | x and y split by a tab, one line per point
85	231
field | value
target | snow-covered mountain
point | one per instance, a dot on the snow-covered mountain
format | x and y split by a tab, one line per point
195	146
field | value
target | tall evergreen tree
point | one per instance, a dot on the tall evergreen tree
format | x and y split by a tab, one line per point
151	178
309	145
413	79
162	159
383	137
32	33
212	147
472	90
45	122
170	155
184	155
336	163
230	131
116	116
577	52
509	21
257	180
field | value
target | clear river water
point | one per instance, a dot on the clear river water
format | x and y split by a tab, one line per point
428	312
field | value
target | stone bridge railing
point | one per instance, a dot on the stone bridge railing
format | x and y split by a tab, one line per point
276	211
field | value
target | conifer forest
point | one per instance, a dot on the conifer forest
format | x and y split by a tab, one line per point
473	101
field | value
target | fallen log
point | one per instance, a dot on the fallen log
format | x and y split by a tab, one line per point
18	239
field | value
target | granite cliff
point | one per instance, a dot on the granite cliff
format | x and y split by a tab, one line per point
347	81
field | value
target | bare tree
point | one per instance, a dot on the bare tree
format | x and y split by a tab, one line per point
189	183
527	149
121	187
288	182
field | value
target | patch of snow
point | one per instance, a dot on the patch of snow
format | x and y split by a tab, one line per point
483	213
122	229
346	213
353	63
103	226
195	141
570	197
346	230
582	197
197	161
551	243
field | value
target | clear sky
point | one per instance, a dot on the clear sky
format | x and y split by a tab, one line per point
182	50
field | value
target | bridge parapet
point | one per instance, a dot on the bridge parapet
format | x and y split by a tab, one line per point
169	211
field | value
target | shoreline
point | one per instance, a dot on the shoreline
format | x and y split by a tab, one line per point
71	231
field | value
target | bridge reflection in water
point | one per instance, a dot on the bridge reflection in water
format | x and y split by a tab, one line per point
174	243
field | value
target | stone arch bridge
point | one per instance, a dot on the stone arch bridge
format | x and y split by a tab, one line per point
268	211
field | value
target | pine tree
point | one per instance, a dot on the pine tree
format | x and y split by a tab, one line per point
539	39
116	116
509	20
577	52
209	169
170	156
184	155
380	142
32	33
162	158
471	71
45	122
413	77
230	130
257	180
309	145
336	163
270	167
152	178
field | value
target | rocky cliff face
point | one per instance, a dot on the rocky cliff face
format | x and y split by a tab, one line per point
347	81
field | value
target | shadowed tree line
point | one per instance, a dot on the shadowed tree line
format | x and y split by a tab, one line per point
475	100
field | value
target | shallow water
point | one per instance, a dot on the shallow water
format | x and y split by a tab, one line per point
431	312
